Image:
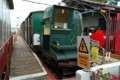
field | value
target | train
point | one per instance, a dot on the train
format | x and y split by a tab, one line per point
6	38
31	29
58	28
62	25
57	34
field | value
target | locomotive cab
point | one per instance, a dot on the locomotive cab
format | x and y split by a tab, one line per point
59	40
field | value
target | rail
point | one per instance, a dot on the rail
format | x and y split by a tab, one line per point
5	43
101	49
5	55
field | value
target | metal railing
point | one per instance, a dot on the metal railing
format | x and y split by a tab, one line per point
5	55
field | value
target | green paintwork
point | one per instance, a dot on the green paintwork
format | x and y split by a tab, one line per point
25	32
37	19
32	26
61	44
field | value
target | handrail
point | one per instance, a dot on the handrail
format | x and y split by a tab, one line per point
72	39
7	46
98	46
5	43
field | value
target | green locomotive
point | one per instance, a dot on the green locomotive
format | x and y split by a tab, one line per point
62	25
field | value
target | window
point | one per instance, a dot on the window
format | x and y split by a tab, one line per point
62	19
47	26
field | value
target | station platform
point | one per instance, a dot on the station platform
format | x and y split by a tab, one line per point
25	65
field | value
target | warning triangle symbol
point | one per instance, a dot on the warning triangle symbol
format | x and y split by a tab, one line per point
83	47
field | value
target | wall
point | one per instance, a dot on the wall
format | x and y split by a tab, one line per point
91	19
1	22
4	22
113	68
5	33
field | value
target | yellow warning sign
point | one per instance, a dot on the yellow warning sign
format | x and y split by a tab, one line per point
83	47
104	11
83	60
94	52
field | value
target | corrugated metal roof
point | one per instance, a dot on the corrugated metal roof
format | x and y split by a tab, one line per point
99	3
91	3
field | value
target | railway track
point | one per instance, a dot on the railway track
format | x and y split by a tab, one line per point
57	72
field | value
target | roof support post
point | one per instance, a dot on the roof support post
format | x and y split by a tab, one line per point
107	29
